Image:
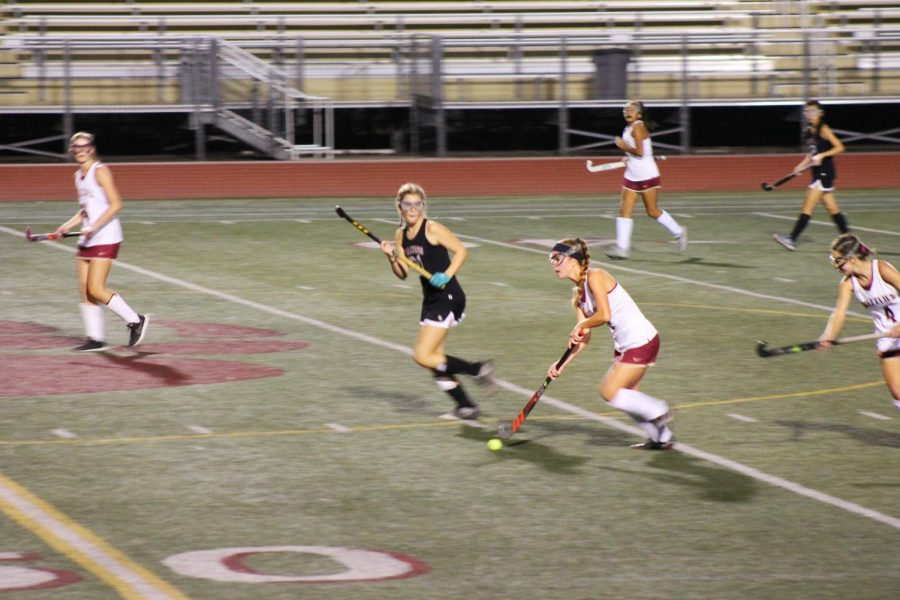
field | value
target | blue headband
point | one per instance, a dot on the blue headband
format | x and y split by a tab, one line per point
567	250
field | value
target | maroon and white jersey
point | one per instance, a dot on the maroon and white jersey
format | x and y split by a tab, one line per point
629	327
94	203
882	301
639	168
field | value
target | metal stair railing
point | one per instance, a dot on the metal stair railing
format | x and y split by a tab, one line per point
269	105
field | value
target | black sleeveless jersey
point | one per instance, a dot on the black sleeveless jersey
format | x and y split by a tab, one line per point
434	259
814	143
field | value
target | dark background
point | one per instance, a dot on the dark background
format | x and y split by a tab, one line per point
517	132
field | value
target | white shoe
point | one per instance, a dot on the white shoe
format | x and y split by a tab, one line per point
462	413
616	253
785	240
682	241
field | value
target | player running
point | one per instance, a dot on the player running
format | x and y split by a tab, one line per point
98	246
429	244
600	300
641	179
876	284
821	145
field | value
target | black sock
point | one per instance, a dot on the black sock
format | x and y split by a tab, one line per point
799	226
841	222
457	365
453	389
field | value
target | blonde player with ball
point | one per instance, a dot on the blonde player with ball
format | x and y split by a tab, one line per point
600	300
101	237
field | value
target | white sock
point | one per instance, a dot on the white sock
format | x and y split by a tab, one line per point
121	308
94	325
666	220
650	429
897	404
665	434
639	404
624	226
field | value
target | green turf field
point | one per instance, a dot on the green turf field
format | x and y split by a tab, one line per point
274	426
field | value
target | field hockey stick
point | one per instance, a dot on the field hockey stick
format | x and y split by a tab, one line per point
605	166
765	352
610	166
43	237
411	264
506	430
771	186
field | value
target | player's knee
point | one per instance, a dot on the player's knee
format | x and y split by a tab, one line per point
424	359
98	294
608	392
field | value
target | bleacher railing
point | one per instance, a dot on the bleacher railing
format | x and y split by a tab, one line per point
290	85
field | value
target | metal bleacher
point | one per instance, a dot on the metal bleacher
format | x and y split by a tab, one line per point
271	73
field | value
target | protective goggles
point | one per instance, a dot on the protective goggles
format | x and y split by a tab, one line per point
560	252
76	148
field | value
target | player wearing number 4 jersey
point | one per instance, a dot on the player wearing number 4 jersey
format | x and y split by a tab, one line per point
876	284
429	244
98	246
600	300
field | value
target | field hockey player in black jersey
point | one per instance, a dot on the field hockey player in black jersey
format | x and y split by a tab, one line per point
430	244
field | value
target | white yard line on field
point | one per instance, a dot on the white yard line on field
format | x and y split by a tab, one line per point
742	418
64	433
813	222
773	480
200	429
716	286
874	415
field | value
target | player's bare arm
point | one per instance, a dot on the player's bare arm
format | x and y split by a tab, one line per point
439	234
838	315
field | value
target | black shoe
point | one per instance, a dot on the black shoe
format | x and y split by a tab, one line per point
91	345
138	331
651	445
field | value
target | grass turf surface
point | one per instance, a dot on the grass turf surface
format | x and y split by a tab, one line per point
566	510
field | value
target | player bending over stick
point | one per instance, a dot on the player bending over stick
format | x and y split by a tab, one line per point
876	284
600	300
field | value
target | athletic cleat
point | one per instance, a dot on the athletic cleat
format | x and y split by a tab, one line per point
91	345
682	241
785	240
616	253
651	445
485	376
463	413
137	331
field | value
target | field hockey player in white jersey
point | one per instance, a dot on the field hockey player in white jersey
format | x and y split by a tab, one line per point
641	179
876	284
98	246
600	300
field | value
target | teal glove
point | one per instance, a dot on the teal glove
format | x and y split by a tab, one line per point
439	280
